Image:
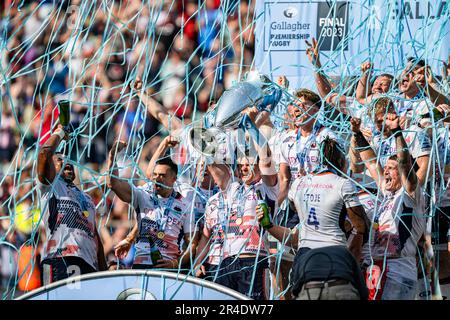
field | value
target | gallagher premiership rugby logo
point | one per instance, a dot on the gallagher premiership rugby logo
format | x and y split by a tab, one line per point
287	26
290	12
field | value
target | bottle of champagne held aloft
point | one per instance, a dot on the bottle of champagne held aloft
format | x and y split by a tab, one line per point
265	221
64	112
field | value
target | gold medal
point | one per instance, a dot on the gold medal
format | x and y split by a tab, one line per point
86	213
160	235
375	226
239	221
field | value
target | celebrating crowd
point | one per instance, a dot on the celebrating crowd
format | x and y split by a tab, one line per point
298	211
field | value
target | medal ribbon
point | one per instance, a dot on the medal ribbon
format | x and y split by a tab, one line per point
241	199
301	155
161	217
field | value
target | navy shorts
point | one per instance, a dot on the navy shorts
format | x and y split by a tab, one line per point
142	266
238	273
212	272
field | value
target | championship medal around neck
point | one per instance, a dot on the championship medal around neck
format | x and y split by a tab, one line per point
161	235
239	221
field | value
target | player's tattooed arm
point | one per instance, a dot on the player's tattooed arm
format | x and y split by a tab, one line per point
405	167
159	112
323	84
356	163
120	187
364	88
45	167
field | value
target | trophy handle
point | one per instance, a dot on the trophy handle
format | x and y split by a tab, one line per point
271	99
247	124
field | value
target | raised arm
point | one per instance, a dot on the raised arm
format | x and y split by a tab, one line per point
363	88
356	163
423	78
221	174
366	153
266	163
284	174
45	167
158	111
120	187
405	167
166	143
267	166
323	85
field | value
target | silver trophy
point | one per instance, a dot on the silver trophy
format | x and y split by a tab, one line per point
254	91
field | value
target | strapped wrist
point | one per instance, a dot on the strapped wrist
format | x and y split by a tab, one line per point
60	133
396	132
360	139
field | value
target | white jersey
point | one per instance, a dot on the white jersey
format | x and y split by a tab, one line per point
197	197
412	109
215	224
69	219
363	179
275	143
152	211
305	149
320	200
359	111
399	223
416	139
369	203
235	209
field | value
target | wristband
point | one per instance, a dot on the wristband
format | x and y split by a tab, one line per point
360	140
397	132
60	133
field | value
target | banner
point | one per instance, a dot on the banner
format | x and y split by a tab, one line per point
349	33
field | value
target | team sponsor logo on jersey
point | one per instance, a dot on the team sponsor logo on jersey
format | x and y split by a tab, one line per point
71	215
315	185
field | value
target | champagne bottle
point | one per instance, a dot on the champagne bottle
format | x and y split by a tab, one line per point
64	112
265	222
437	115
155	254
